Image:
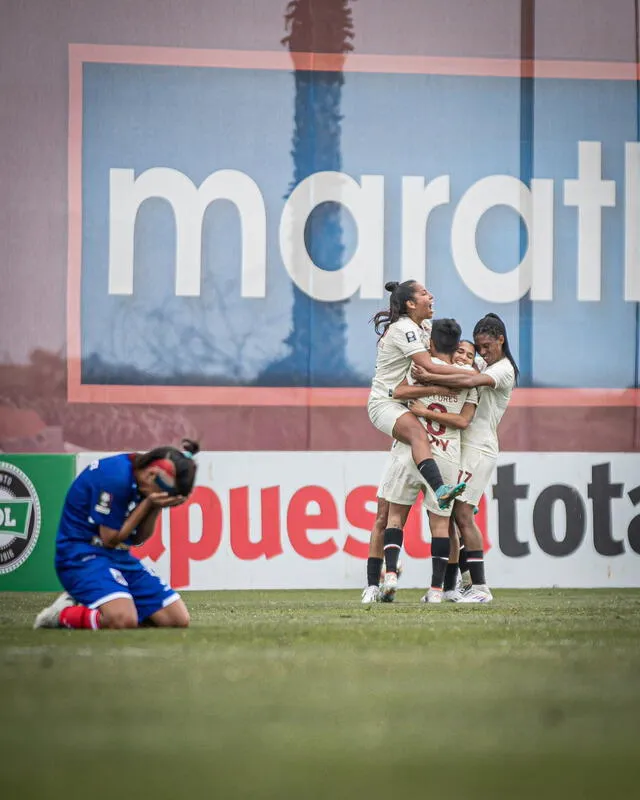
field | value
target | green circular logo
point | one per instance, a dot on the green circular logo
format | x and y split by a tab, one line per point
19	517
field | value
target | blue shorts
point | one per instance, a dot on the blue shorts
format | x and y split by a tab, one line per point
96	579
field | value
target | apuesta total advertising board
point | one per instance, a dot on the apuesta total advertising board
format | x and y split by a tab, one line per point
220	199
278	520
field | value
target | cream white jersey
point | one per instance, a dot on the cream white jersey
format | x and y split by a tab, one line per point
445	439
482	433
402	340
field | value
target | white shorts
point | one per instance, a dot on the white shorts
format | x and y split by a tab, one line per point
384	413
402	483
477	470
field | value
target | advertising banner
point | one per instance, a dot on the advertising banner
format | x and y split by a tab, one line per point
278	520
32	492
202	271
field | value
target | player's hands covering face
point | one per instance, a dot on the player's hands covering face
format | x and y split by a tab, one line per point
165	500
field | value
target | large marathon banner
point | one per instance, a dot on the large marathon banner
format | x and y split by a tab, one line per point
232	221
276	520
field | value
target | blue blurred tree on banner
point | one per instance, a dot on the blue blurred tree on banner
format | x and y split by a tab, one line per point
317	340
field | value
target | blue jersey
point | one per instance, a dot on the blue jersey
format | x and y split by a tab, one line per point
103	494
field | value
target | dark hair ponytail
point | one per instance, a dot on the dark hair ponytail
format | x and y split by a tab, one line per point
182	460
401	293
492	325
190	446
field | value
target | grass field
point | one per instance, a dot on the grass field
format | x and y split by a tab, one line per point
310	695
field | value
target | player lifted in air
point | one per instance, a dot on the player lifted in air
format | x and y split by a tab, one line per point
444	415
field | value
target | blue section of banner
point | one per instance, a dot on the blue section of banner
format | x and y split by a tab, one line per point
278	130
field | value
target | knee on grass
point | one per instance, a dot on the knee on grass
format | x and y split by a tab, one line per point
180	619
173	616
119	620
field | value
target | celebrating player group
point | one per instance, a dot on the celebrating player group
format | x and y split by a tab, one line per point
441	399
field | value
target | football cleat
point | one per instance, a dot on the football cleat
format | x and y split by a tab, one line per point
451	596
389	587
476	594
432	596
446	494
383	572
370	595
485	589
50	617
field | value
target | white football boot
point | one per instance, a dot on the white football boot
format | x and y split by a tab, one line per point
50	617
383	572
432	596
370	595
389	587
476	594
451	596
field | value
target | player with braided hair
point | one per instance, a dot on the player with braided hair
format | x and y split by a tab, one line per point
110	507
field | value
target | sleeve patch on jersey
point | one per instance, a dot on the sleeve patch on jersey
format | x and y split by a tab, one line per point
411	336
104	503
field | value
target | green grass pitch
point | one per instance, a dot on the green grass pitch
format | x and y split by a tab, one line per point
306	694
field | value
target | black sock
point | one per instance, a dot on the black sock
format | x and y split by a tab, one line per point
475	562
463	559
431	473
374	568
392	544
450	577
439	557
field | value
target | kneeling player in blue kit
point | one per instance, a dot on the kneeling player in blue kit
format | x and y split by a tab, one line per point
111	506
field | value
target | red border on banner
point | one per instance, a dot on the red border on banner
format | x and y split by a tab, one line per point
77	392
